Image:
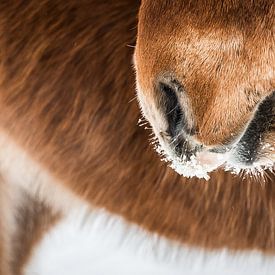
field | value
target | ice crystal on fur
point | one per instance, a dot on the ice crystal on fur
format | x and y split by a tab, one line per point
194	168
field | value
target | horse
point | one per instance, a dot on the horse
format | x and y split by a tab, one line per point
73	157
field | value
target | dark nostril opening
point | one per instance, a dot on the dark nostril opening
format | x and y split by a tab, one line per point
262	122
177	122
172	109
184	149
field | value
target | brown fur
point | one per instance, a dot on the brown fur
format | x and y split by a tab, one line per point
66	90
24	221
34	219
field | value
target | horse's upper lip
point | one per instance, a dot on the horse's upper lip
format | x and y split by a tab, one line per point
211	160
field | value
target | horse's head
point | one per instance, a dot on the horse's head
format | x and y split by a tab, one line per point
206	81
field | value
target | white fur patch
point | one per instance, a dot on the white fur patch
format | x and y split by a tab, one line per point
101	244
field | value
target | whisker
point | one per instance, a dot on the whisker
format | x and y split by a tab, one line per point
131	46
133	99
177	105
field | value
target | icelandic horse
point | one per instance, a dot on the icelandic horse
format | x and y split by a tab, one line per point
71	151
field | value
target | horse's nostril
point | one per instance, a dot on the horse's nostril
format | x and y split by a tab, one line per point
178	134
172	109
186	148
